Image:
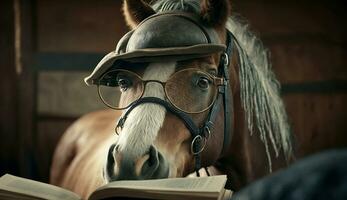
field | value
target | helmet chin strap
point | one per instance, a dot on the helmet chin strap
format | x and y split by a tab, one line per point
200	135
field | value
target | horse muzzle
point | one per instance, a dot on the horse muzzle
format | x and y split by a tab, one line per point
122	166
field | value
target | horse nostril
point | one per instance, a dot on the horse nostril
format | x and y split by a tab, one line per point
116	149
155	166
123	166
108	173
111	152
153	156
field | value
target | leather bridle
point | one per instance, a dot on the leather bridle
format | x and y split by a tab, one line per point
201	134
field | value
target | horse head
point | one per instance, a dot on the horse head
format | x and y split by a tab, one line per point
189	94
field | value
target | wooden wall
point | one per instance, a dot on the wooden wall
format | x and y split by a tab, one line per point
17	88
307	42
68	38
8	132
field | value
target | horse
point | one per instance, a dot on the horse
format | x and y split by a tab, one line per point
192	93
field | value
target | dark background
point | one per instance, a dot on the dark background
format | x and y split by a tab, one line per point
59	41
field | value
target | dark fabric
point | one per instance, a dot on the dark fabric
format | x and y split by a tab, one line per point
322	176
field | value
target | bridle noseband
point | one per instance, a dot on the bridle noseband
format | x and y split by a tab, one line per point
201	134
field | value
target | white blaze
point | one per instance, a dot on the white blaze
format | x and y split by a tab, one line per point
143	123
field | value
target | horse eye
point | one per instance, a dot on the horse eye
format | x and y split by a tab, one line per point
203	83
124	84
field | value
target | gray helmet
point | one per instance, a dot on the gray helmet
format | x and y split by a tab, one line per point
168	35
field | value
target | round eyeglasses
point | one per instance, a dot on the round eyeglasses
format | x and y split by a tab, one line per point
189	90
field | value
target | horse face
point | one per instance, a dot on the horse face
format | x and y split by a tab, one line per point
153	142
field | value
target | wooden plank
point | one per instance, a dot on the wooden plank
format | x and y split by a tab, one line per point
294	18
61	61
318	121
26	89
322	87
8	126
64	93
79	26
308	62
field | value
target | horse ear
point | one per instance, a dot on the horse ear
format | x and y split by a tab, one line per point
215	12
135	11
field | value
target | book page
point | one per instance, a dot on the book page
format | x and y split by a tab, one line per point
27	187
197	188
200	184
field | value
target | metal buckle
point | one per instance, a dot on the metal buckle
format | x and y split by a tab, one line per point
197	138
226	59
225	66
207	129
119	125
117	129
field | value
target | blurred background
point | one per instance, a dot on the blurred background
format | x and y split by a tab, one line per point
48	47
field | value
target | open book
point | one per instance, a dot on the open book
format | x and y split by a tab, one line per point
202	188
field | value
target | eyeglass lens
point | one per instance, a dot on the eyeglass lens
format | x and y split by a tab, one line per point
189	90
